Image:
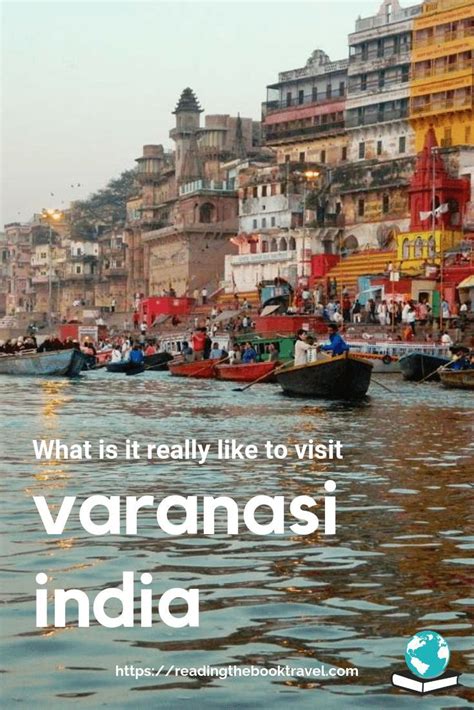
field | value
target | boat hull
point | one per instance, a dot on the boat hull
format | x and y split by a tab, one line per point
67	363
457	379
419	366
247	373
203	369
342	377
381	364
158	361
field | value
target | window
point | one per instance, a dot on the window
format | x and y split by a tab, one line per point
418	248
283	244
379	147
292	244
273	245
264	222
273	221
255	191
380	48
264	190
344	153
342	88
323	156
381	79
406	249
78	269
288	99
405	73
273	188
361	151
315	93
328	91
301	96
254	224
402	144
264	247
447	140
302	157
363	82
360	207
364	47
385	204
287	158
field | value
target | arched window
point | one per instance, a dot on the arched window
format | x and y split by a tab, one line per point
431	247
273	245
283	244
406	249
418	248
292	244
264	246
206	213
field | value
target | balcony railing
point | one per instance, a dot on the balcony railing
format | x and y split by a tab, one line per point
315	130
442	37
354	119
437	106
389	56
307	100
263	257
440	71
208	185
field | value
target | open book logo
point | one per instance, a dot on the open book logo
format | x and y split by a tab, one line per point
427	658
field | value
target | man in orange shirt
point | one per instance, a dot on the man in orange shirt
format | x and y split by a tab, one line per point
199	343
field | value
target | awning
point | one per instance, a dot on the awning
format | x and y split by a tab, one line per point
161	319
468	282
268	310
225	315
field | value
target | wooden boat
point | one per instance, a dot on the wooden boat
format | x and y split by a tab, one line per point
421	366
157	361
67	363
204	369
341	377
457	379
247	373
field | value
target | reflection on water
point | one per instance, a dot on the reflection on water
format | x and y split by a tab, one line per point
400	560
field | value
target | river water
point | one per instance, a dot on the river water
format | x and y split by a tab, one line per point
398	563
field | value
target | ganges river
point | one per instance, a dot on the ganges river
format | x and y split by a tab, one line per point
400	560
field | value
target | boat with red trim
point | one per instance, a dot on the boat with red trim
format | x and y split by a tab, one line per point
204	369
243	372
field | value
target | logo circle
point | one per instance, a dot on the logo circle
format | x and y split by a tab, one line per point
427	654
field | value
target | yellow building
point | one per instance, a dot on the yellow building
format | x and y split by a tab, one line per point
417	250
441	85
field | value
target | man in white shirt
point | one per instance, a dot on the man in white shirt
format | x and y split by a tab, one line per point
446	339
302	348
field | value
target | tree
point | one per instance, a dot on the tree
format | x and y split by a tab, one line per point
105	208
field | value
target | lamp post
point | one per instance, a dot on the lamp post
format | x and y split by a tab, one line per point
308	176
50	217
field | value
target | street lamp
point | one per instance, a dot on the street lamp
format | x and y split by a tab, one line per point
50	217
307	177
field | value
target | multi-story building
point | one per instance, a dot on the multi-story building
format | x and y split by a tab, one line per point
111	286
19	290
442	72
277	236
187	205
303	116
3	273
380	140
79	274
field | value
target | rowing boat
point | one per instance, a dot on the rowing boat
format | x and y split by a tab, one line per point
457	379
341	377
247	372
157	361
67	363
203	369
421	366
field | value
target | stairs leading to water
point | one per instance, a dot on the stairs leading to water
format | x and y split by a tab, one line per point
364	263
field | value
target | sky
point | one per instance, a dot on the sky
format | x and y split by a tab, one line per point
86	84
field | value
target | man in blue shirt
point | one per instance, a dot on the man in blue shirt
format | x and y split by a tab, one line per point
136	355
249	354
336	345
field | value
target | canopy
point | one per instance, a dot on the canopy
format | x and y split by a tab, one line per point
268	310
468	282
225	315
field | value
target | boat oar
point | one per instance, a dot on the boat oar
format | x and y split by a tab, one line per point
130	373
381	385
262	377
431	374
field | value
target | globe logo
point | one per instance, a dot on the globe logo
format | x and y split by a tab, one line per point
427	654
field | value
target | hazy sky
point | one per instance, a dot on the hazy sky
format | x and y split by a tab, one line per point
86	84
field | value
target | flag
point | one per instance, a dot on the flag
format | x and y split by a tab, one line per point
425	215
442	209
